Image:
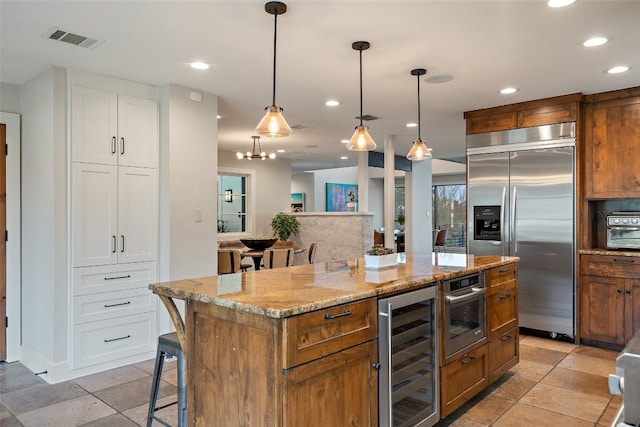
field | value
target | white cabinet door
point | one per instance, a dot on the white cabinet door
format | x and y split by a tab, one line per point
137	214
95	199
94	126
137	132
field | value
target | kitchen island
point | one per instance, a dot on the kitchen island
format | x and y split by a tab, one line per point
295	346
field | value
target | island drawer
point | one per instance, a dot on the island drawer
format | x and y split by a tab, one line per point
500	278
503	354
310	336
99	342
611	265
106	305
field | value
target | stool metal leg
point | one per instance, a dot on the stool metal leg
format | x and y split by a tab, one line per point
182	392
155	385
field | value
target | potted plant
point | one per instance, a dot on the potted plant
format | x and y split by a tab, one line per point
400	220
379	256
352	199
284	225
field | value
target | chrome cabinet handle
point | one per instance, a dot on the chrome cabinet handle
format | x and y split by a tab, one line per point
113	145
335	316
118	277
118	339
122	250
121	146
113	251
116	305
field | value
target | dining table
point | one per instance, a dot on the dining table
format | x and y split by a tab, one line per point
256	255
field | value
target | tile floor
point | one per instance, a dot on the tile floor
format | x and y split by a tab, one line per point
555	384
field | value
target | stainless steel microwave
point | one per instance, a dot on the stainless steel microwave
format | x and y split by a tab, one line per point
623	230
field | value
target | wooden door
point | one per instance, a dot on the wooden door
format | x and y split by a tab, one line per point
3	243
602	309
631	308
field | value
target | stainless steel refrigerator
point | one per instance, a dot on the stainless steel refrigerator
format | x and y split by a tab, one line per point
520	198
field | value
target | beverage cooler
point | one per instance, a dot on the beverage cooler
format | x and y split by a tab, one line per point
408	351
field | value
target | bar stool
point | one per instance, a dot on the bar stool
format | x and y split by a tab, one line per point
168	344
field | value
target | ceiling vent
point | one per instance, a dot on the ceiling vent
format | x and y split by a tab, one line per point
367	117
75	39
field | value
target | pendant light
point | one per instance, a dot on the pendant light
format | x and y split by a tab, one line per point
273	122
255	154
361	140
419	151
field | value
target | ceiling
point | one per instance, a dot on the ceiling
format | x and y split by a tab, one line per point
482	45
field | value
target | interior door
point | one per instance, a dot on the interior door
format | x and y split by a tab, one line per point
542	201
3	243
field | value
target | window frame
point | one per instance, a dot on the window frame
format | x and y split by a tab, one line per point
250	202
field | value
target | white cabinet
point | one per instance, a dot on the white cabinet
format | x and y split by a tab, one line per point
114	129
115	214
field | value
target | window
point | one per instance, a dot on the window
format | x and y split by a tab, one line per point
234	201
450	212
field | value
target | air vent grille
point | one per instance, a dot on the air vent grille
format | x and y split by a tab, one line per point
74	39
367	117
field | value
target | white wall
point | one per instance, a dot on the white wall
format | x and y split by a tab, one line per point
9	98
273	186
44	216
339	176
303	182
188	183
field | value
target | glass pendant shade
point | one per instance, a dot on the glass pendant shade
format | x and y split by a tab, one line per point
419	151
361	140
273	123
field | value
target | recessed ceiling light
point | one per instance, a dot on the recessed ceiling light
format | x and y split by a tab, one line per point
618	69
281	151
560	3
508	90
200	65
411	125
332	103
344	157
595	41
344	141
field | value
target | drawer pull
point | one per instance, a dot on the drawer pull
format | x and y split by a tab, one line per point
506	338
116	305
335	316
376	366
118	277
625	260
118	339
505	296
505	270
466	362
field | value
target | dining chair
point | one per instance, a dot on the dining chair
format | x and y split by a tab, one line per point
312	252
276	258
441	238
236	244
230	261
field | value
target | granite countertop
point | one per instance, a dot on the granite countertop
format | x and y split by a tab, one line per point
609	252
289	291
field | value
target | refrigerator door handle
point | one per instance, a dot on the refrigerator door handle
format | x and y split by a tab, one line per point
512	223
503	240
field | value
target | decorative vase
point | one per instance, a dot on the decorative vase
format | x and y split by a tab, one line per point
351	207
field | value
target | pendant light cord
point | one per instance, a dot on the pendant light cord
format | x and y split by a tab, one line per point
275	38
360	87
419	132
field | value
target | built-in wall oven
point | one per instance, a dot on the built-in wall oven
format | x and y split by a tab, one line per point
408	352
464	312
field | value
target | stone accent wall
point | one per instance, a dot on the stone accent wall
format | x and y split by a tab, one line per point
339	235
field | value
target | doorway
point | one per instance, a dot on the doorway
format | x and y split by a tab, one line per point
3	243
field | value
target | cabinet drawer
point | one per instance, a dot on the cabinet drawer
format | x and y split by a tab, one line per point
502	312
500	278
99	342
462	379
103	306
312	335
503	354
108	278
611	265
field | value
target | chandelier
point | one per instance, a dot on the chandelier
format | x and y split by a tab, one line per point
255	154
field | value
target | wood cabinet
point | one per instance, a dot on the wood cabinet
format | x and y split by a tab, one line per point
612	160
560	109
609	298
467	375
313	369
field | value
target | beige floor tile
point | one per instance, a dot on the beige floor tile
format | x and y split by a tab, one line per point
549	344
533	371
569	402
114	420
149	365
41	395
489	409
577	380
525	415
110	378
170	376
595	352
68	413
465	422
134	393
610	413
168	414
540	355
513	387
583	361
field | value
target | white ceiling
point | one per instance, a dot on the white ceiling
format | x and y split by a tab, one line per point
484	45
